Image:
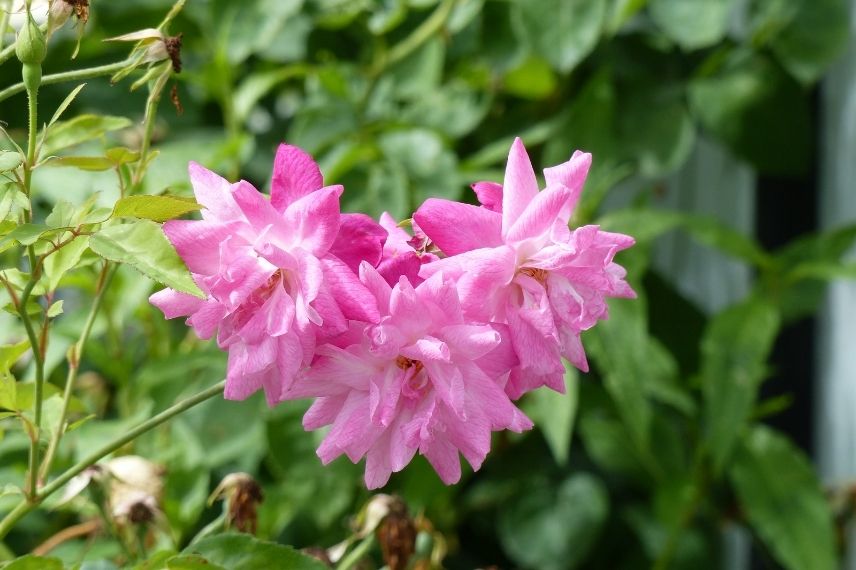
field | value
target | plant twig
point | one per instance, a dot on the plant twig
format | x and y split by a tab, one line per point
27	505
76	75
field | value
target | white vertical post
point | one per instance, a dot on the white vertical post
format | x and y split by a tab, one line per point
836	357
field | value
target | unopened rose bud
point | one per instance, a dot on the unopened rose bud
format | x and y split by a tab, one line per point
31	46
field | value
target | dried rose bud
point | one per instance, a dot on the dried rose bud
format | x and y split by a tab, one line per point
242	494
135	483
397	536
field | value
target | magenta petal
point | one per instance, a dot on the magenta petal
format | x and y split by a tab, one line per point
377	286
489	195
313	220
175	304
519	187
545	210
354	299
295	174
360	239
456	228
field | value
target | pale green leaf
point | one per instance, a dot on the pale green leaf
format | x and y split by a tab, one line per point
10	160
55	309
80	129
65	103
90	163
157	208
143	246
65	259
249	553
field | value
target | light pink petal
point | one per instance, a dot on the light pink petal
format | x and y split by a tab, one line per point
354	299
545	210
213	192
449	384
408	310
439	296
196	242
295	174
443	457
519	186
206	320
498	362
313	220
571	174
323	411
377	286
175	304
384	390
489	195
534	341
428	348
483	287
360	239
257	209
471	341
456	228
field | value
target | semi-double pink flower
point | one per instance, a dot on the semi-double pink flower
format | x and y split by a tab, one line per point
422	379
271	284
517	262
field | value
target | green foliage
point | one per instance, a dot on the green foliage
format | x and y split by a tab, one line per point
783	500
642	459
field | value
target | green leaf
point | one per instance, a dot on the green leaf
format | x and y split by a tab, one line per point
620	347
692	24
143	246
10	160
191	562
31	562
758	111
249	553
65	103
532	79
80	129
55	309
815	37
555	413
65	259
563	31
25	234
8	391
783	500
90	163
157	208
554	528
734	353
120	155
714	233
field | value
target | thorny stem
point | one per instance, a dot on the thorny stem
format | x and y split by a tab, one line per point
25	506
37	347
76	75
74	356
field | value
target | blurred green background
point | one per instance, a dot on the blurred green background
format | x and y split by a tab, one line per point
702	116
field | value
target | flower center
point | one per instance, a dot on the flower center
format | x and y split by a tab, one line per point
415	377
539	275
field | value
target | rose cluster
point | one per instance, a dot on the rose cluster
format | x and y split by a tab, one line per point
408	343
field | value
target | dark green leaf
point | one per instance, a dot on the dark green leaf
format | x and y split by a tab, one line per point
815	37
782	498
692	24
563	31
143	246
553	529
248	553
157	208
759	112
555	413
30	562
191	562
734	353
